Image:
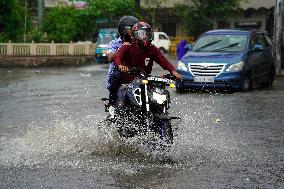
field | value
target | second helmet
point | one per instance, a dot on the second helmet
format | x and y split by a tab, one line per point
126	22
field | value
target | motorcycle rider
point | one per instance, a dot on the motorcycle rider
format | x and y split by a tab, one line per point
125	25
140	54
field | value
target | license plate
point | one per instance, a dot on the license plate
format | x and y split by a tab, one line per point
204	79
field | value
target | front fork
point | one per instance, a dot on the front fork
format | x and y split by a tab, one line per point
148	113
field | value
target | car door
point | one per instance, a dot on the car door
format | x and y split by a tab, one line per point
257	59
269	55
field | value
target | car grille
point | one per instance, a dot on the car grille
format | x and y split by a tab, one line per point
206	69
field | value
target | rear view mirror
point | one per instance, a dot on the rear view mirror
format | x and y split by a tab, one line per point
188	46
257	47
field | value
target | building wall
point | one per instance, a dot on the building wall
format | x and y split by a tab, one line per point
55	3
244	4
255	19
257	4
163	4
253	12
50	3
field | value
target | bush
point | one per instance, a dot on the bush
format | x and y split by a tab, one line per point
11	21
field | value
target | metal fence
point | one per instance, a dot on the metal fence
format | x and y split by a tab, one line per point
47	49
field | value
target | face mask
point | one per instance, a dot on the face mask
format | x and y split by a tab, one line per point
142	34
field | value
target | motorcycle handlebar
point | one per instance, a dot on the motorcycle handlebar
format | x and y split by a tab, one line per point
134	70
137	71
170	76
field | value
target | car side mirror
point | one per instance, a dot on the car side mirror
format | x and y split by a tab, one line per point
188	46
257	47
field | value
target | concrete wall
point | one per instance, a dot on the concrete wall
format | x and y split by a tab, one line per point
46	61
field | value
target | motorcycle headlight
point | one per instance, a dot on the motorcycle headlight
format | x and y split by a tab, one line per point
236	67
181	66
160	98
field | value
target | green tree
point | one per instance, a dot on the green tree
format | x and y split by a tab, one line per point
200	16
68	24
12	21
60	24
111	9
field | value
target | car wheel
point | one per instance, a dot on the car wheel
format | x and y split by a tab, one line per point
246	86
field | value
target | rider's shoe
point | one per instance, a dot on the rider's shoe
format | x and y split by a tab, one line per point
111	115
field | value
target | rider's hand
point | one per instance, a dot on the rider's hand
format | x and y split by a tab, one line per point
123	68
177	75
125	43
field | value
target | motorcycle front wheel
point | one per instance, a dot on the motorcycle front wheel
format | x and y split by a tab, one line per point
165	131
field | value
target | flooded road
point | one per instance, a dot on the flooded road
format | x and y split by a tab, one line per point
51	136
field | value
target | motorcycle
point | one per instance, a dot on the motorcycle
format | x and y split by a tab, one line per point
142	106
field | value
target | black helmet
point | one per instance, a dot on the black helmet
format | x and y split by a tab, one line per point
126	22
142	31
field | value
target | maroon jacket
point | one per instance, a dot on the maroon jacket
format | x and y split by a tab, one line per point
132	56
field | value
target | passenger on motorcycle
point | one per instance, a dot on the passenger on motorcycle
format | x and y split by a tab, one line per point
140	54
125	25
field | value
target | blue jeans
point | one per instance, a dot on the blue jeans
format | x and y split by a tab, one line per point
115	82
109	73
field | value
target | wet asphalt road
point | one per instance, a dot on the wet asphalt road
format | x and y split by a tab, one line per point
51	136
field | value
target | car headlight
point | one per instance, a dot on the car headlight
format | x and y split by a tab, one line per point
181	66
159	98
236	67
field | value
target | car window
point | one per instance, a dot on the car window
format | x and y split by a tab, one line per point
259	40
221	42
105	38
161	36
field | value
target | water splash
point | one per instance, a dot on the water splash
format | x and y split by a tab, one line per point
69	143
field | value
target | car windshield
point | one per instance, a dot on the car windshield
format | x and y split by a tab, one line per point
213	43
105	38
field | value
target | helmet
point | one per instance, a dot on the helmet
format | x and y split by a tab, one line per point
142	31
126	22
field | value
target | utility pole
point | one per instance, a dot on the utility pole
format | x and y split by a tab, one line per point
278	34
40	6
26	10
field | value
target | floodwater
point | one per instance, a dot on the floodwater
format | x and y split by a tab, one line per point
52	136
